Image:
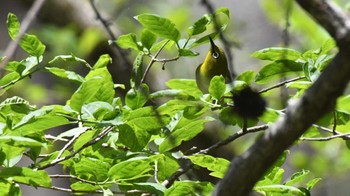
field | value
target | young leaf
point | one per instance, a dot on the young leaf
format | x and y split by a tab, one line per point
148	39
146	119
218	166
131	169
276	53
136	98
13	25
27	176
135	139
70	58
184	133
248	77
136	75
62	73
297	177
189	87
189	188
187	52
129	41
277	69
217	87
32	45
199	26
162	27
18	141
103	61
97	87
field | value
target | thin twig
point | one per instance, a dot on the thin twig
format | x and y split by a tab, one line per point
69	144
334	122
27	21
179	172
152	61
281	84
67	190
120	53
91	142
79	179
345	136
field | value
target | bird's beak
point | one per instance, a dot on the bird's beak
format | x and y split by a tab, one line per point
213	46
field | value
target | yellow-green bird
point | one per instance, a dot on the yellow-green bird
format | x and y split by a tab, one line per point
215	64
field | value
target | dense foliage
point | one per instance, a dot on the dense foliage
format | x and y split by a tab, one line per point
115	144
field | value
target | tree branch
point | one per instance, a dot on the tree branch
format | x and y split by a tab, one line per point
318	100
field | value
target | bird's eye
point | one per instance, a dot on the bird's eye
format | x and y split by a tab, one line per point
215	55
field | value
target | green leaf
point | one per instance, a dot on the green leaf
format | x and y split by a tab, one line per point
277	188
189	188
135	139
131	169
167	165
277	53
313	182
97	87
13	25
217	87
184	133
188	87
32	45
81	186
199	26
150	187
83	139
38	121
69	58
136	98
343	104
103	61
92	168
162	27
71	132
187	52
223	10
129	41
29	63
297	177
247	76
328	45
18	141
146	119
277	69
98	111
148	38
27	176
8	79
174	106
269	116
217	166
62	73
17	104
137	73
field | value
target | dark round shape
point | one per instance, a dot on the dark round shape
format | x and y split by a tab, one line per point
248	103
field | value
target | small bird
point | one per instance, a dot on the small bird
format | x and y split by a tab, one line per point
215	64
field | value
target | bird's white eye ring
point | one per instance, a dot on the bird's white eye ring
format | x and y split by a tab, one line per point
215	55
